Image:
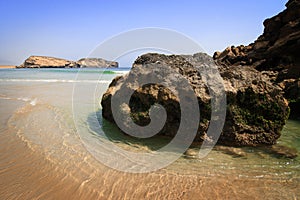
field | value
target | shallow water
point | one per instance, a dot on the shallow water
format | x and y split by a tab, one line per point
43	157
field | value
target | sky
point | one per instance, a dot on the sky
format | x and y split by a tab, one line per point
73	29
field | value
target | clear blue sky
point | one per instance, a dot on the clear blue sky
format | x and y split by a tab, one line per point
72	29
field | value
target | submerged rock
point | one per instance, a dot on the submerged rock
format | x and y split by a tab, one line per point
191	154
233	151
256	109
282	151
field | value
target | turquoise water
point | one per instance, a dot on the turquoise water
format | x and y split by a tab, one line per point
58	74
291	135
47	108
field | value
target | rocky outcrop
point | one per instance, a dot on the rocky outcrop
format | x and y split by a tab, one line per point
276	51
47	62
256	109
234	56
51	62
96	63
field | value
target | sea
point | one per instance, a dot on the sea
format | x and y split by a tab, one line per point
45	114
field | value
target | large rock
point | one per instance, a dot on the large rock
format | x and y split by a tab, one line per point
97	62
276	50
256	109
47	62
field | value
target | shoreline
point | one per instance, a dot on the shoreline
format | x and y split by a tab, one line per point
41	153
7	66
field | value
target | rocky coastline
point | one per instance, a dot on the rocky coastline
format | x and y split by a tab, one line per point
275	53
261	81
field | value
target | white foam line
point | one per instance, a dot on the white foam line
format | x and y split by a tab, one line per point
24	99
33	102
54	81
6	98
120	72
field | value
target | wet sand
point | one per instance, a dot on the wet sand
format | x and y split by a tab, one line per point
29	172
28	175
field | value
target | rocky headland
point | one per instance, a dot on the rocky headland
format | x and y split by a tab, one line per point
275	53
96	62
261	81
51	62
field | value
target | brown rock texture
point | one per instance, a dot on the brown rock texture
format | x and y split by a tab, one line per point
276	52
47	62
51	62
97	62
256	108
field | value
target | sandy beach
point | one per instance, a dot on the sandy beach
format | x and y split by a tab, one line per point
7	66
153	100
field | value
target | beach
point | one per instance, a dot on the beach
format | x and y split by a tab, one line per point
109	100
43	156
7	66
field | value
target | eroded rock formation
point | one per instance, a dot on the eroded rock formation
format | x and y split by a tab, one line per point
256	109
47	62
51	62
276	52
261	81
97	62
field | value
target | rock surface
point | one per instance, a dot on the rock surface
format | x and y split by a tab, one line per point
236	152
97	62
256	109
276	51
47	62
51	62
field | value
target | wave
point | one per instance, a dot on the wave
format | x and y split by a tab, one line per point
31	101
119	72
54	81
81	70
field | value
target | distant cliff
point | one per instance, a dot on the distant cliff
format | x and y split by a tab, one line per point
51	62
47	62
97	62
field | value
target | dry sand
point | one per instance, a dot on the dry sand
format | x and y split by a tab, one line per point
7	66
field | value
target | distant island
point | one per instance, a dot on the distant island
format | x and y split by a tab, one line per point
7	66
51	62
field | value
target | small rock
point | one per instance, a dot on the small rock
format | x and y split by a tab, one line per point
284	151
236	152
190	153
